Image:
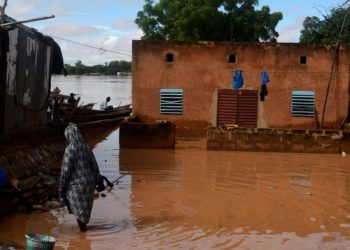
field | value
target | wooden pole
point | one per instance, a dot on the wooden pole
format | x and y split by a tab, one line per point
3	12
26	21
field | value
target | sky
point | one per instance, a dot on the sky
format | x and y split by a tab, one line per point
109	24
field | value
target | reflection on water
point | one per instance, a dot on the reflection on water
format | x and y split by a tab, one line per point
193	198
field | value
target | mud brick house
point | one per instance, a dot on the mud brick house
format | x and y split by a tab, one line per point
190	83
27	59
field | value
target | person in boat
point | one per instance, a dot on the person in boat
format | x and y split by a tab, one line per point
79	177
71	99
104	105
56	91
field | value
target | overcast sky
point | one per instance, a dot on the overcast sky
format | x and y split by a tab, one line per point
109	24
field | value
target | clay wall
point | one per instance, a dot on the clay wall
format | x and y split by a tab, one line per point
279	140
147	135
201	68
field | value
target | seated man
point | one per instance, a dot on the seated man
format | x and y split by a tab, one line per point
71	99
104	105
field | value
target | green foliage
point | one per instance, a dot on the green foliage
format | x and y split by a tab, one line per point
111	68
220	20
326	31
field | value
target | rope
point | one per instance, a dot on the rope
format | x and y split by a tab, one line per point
101	49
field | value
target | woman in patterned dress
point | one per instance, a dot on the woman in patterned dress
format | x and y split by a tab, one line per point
79	176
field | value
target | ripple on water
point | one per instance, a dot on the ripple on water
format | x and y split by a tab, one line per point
191	198
97	229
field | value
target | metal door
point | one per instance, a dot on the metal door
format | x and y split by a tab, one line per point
237	107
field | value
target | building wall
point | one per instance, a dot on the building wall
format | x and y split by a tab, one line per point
28	66
134	134
201	68
279	140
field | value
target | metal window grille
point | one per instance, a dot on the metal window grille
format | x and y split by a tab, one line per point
303	103
171	101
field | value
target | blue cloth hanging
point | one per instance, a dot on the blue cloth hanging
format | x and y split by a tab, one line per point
264	78
237	81
3	177
264	81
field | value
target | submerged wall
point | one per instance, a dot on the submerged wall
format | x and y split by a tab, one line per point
147	135
279	140
201	68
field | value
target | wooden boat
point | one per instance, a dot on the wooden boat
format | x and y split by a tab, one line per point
63	112
88	105
81	114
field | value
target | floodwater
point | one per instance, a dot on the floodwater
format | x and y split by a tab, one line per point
191	198
95	89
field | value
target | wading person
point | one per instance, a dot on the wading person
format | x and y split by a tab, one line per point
79	176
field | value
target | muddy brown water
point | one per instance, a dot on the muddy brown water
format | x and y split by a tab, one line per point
190	198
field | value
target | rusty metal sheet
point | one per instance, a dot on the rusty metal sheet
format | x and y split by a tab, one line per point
33	68
28	79
237	107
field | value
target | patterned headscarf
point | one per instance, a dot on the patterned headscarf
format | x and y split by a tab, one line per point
77	143
72	133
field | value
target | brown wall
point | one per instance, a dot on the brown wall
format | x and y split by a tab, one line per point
147	135
200	68
279	140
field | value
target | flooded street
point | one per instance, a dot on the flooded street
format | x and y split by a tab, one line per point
191	198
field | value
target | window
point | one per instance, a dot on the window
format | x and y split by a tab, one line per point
303	103
171	101
232	58
169	57
303	59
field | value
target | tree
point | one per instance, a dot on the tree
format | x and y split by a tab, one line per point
326	31
79	67
191	20
70	69
111	68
